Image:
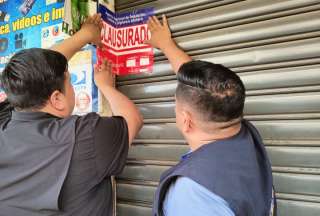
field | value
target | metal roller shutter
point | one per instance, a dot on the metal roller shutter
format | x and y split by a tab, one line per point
274	46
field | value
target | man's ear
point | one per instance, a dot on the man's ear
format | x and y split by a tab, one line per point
187	121
57	100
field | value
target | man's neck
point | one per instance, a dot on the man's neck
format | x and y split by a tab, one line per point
201	138
48	109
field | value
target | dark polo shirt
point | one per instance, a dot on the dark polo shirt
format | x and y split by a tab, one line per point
54	166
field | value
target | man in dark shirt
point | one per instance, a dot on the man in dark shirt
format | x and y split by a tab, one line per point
52	163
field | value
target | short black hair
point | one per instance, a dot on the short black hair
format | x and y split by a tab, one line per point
32	75
213	90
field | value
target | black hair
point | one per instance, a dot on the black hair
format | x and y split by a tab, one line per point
214	91
32	75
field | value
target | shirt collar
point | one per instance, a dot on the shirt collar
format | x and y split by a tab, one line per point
28	116
186	155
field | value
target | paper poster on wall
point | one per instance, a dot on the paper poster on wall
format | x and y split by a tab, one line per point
38	23
52	35
81	73
21	23
123	37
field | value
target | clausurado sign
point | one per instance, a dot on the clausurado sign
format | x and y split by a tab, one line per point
123	37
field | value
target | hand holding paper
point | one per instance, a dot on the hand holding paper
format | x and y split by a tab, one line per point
92	29
90	32
161	38
160	33
103	74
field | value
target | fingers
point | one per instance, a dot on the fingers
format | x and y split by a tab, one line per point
147	42
110	66
88	20
106	65
151	24
156	21
101	24
95	19
165	21
99	44
97	68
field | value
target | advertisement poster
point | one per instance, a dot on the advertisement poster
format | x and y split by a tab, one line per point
123	37
39	23
81	73
21	22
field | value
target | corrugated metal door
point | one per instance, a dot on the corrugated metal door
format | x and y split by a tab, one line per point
275	47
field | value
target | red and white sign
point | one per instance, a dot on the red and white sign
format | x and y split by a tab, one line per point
123	37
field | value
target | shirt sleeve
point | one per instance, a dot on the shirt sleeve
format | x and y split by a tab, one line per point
188	198
110	140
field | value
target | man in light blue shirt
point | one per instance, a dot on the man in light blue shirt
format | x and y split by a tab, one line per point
227	171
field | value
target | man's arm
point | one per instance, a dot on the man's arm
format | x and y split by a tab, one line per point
161	39
90	32
119	103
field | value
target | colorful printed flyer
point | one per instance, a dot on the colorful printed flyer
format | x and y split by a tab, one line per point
51	35
123	37
21	23
34	23
86	93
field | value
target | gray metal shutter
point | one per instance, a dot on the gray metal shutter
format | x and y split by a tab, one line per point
275	47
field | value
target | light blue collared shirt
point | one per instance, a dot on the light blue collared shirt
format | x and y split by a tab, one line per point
186	197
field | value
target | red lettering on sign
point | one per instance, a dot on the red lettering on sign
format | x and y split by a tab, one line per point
119	36
125	37
130	39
